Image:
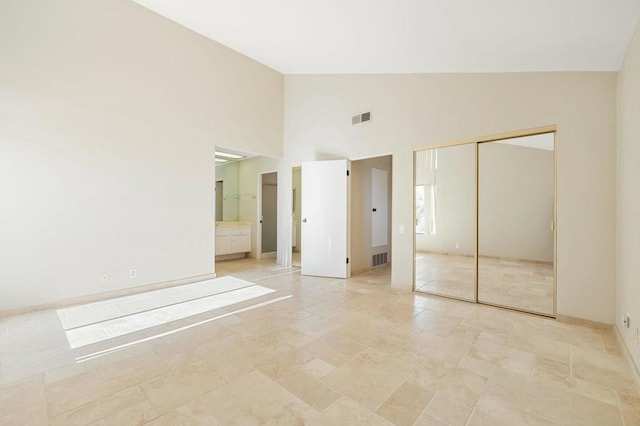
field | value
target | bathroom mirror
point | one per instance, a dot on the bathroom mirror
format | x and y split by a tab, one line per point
227	181
445	221
516	196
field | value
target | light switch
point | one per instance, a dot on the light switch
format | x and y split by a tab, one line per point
402	228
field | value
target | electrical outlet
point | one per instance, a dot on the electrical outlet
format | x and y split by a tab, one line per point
133	273
457	245
104	278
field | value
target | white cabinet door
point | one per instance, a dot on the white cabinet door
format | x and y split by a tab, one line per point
240	243
223	244
325	196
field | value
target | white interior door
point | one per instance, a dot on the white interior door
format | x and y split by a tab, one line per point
379	213
325	218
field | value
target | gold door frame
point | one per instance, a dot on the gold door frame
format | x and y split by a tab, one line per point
477	141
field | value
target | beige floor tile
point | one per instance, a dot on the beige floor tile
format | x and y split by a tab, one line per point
438	323
448	410
284	361
568	408
76	391
500	356
550	369
360	341
630	408
136	414
317	368
181	349
226	349
466	333
334	348
181	385
508	393
251	400
603	369
567	333
559	374
315	326
525	339
449	380
372	376
187	415
241	366
405	405
22	395
309	389
32	416
383	340
428	420
101	408
440	348
506	417
278	338
348	412
478	366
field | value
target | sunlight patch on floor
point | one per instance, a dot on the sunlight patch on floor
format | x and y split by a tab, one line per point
96	322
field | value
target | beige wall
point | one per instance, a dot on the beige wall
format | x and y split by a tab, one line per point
628	211
416	110
109	115
361	249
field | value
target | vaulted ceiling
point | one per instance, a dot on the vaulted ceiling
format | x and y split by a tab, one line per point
415	36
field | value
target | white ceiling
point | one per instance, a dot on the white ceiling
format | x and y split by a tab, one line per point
411	36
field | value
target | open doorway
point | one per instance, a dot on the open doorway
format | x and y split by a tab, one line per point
371	213
268	215
238	210
219	200
296	220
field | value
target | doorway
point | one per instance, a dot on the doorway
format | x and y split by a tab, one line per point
371	213
219	200
296	218
238	199
268	215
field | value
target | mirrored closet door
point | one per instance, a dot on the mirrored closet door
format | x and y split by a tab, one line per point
485	222
445	221
515	223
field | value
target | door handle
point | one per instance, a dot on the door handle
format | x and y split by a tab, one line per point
375	210
304	220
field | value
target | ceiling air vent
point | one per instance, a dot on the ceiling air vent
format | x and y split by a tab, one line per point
361	118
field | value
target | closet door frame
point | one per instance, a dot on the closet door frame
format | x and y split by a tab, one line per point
477	141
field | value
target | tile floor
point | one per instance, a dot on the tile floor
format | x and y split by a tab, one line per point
517	284
325	352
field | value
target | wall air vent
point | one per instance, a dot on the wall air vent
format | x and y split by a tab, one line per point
361	118
379	259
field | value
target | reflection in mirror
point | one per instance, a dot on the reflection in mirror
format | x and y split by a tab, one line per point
227	175
445	221
515	223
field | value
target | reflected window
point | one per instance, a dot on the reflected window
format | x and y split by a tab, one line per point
420	216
